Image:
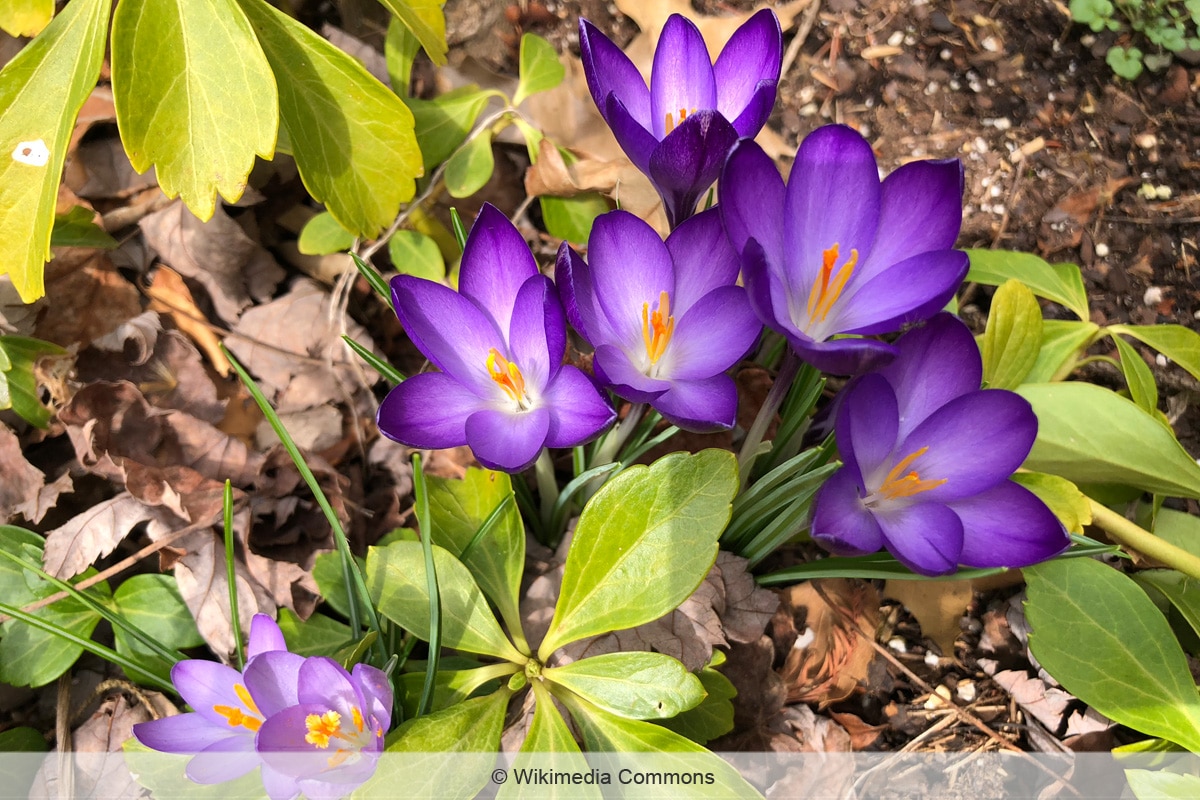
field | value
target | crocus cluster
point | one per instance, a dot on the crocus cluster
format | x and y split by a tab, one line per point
309	725
927	456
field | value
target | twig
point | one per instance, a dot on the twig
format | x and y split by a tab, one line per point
1013	194
802	31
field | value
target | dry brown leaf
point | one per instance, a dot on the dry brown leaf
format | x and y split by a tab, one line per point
748	607
862	735
88	296
100	169
760	698
139	334
1044	703
170	295
830	659
24	489
937	605
16	316
216	254
82	540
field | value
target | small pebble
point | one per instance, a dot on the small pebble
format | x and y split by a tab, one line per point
966	691
1196	315
897	644
805	639
1153	296
1161	360
931	659
1101	249
896	38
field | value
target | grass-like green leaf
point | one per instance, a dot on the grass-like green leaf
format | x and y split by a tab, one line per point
41	92
1138	376
351	136
1180	344
1013	337
25	18
1102	638
426	21
540	69
638	685
1062	283
644	543
1088	434
194	96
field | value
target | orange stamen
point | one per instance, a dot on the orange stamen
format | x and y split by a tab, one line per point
655	332
827	288
323	727
358	719
507	375
338	758
896	485
236	716
671	122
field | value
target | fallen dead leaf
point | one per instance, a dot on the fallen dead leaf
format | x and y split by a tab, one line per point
830	658
170	295
92	534
937	605
88	296
24	489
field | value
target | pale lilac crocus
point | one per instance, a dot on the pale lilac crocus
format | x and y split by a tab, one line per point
499	344
666	319
678	131
837	251
927	456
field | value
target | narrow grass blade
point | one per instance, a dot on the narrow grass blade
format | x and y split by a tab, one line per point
460	231
425	523
389	373
231	577
368	271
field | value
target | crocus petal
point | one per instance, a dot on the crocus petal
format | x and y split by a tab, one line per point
496	262
574	283
975	441
911	290
282	745
376	690
578	412
279	785
505	440
842	356
833	197
757	111
866	424
753	55
712	336
223	761
701	406
630	267
538	336
182	733
687	162
764	288
448	329
937	362
925	537
841	523
635	139
614	368
752	200
428	411
324	681
609	71
920	210
205	684
272	679
265	636
681	82
703	258
1008	526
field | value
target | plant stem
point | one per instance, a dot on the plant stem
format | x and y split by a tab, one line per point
543	471
783	381
612	443
1133	536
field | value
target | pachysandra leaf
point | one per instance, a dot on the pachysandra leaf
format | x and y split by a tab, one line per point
1062	283
634	685
1063	341
713	717
25	17
552	744
351	136
426	21
644	543
1138	377
540	67
1180	344
194	96
41	92
1013	337
1104	640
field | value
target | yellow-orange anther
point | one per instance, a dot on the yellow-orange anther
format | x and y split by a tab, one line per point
897	485
672	121
236	717
507	375
322	727
358	718
657	327
827	288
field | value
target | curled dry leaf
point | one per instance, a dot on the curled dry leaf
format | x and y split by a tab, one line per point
170	295
830	658
24	489
89	298
76	545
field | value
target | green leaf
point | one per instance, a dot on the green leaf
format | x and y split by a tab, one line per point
636	685
400	51
25	18
323	235
165	775
331	581
1063	341
319	635
1013	337
1060	496
152	604
1125	61
21	740
194	96
1061	283
1155	785
416	254
713	717
1088	434
442	124
396	579
552	744
1180	344
351	136
1138	376
426	21
470	168
76	229
643	544
1182	592
451	686
540	68
1178	528
18	383
1101	637
33	657
41	92
571	218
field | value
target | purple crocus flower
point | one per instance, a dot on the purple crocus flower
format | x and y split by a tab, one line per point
499	343
666	319
837	251
927	455
679	130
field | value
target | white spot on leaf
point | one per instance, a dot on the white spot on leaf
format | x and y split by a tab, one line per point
34	153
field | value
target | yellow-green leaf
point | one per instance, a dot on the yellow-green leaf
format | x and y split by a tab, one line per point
540	68
1138	376
1060	496
25	17
426	21
351	136
471	166
194	96
1063	341
1180	344
1061	283
1013	336
41	91
322	235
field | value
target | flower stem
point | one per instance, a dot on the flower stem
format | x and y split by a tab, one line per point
543	470
750	446
1133	536
616	438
